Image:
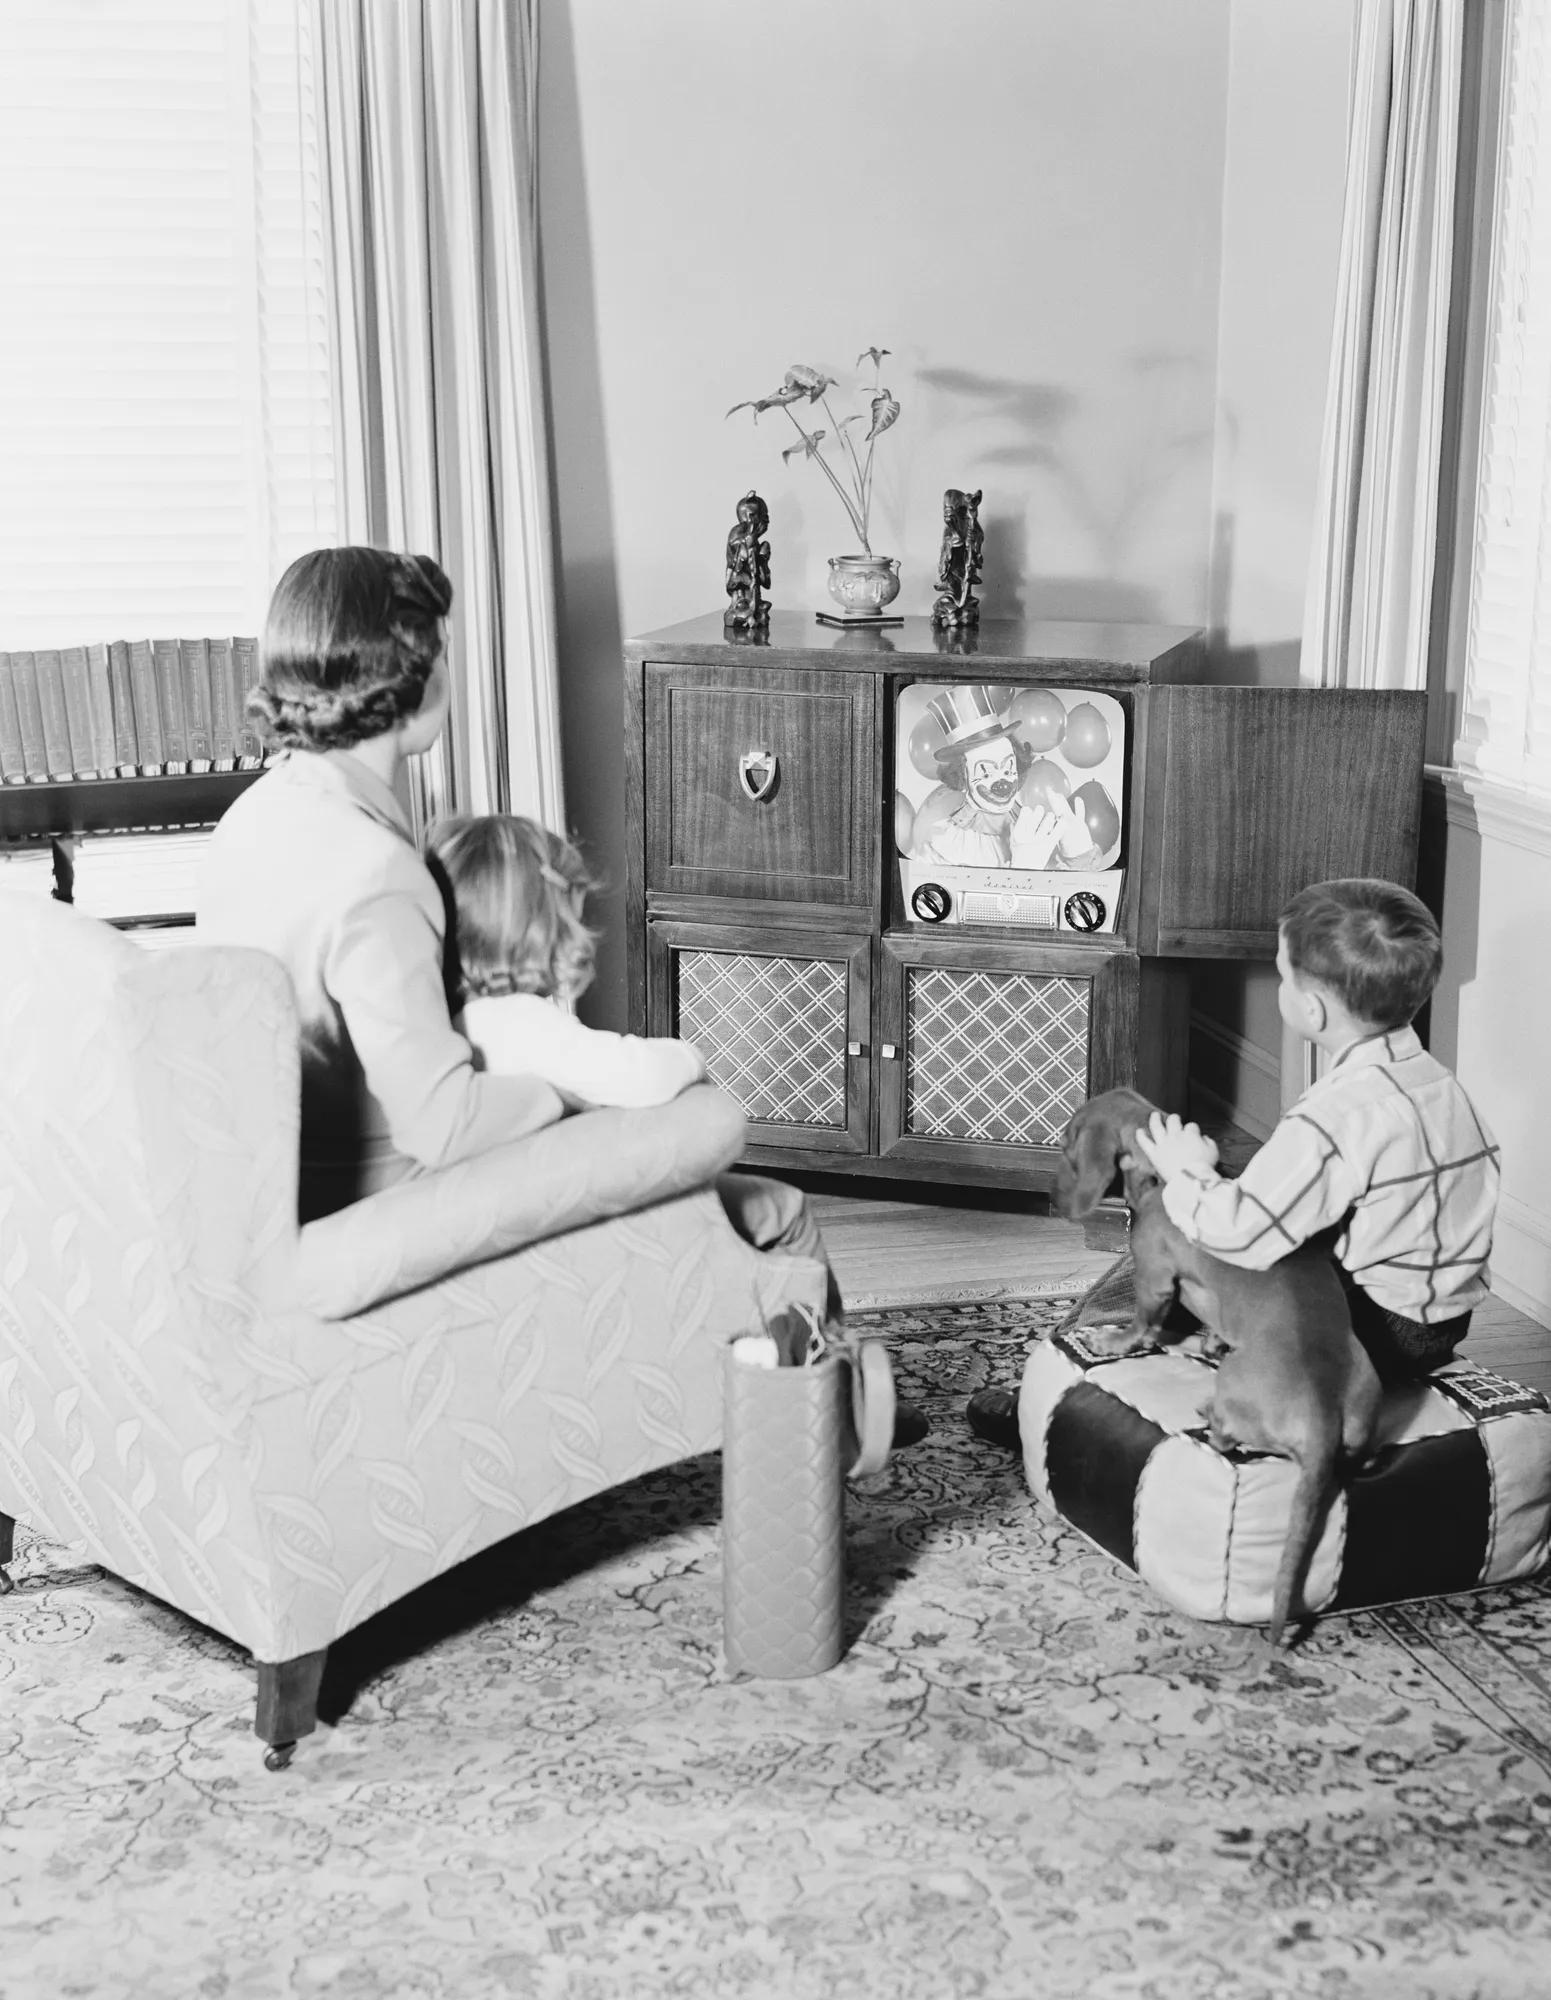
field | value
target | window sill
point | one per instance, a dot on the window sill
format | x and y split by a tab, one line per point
1492	810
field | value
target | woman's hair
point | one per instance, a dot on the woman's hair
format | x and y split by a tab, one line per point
349	644
1372	943
514	893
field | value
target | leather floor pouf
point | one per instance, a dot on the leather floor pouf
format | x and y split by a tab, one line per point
1457	1494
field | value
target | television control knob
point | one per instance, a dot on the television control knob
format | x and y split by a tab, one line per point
1085	911
930	902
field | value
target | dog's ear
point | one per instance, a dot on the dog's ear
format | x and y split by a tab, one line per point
1092	1154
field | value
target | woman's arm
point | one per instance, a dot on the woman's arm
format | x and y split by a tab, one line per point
384	973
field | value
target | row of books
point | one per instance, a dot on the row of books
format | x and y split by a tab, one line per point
125	878
127	708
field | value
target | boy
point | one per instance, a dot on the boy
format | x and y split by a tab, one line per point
1384	1151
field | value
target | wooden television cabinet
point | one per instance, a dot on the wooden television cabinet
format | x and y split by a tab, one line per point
774	931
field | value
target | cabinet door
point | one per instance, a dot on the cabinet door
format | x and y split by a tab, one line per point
985	1051
803	742
1253	793
781	1018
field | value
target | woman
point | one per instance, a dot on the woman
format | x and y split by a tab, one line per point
316	864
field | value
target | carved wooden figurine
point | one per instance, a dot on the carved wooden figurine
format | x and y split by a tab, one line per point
958	568
748	567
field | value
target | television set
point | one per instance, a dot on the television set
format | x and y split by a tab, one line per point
1009	805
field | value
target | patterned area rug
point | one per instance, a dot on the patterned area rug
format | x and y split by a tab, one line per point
1026	1780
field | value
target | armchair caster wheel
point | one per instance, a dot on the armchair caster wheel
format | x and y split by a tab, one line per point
7	1582
278	1756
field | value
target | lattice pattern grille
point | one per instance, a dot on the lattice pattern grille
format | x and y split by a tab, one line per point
772	1031
993	1055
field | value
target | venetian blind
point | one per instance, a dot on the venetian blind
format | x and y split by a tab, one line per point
164	398
1506	718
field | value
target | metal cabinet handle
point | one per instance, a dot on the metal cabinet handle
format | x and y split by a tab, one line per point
757	773
888	1052
856	1048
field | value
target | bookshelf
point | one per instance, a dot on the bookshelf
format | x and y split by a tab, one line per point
70	818
118	805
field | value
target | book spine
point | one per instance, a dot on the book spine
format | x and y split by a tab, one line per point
78	713
223	723
126	754
169	693
195	659
56	723
29	709
13	765
99	696
150	751
245	666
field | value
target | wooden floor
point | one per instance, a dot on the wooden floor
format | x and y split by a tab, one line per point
893	1246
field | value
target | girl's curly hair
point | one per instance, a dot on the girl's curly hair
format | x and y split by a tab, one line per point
349	644
514	892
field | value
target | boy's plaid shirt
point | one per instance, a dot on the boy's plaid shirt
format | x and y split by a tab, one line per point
1387	1140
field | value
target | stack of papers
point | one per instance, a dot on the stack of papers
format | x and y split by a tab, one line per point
161	937
122	876
29	867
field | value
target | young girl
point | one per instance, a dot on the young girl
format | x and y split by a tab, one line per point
520	951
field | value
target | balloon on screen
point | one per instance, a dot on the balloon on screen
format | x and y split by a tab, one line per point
1043	783
1087	738
926	739
1038	718
1100	811
904	822
936	808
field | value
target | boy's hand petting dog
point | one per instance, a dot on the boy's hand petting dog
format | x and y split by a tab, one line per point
1171	1147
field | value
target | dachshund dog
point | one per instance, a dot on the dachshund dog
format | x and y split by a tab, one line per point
1293	1378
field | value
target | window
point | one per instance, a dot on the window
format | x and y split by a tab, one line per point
1505	730
164	372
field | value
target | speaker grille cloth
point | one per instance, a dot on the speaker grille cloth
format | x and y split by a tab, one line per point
999	1056
978	906
772	1031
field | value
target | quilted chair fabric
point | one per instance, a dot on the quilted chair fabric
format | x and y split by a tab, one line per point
281	1430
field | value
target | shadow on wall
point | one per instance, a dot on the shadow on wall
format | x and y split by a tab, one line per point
1271	662
1032	423
1448	880
586	568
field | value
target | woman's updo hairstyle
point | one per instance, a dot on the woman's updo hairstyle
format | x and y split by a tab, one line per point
349	644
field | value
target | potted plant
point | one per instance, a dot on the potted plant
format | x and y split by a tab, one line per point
862	584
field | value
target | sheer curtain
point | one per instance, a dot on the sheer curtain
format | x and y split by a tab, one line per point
1369	593
426	110
1505	733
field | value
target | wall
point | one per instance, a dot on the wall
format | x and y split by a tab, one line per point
1486	1013
1287	100
1024	203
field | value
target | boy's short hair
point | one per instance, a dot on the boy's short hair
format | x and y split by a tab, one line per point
350	641
514	892
1372	943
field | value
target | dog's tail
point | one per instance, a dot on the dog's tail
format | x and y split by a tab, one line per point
1311	1500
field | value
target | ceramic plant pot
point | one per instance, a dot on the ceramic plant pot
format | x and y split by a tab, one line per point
863	586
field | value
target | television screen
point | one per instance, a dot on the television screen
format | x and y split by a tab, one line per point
1009	802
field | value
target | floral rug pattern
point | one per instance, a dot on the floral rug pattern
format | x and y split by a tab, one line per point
1028	1779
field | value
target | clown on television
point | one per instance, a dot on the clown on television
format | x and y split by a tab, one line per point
995	826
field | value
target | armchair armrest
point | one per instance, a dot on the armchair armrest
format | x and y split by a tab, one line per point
593	1165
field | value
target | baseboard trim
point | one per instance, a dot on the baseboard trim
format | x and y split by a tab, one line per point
1521	1258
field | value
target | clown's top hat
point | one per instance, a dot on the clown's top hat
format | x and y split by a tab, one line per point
966	716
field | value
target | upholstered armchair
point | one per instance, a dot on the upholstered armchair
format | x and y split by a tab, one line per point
280	1430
